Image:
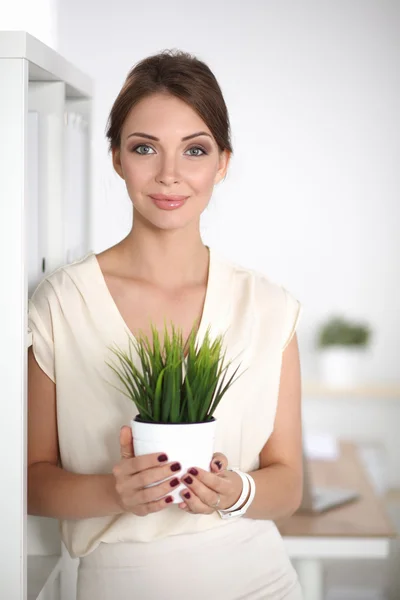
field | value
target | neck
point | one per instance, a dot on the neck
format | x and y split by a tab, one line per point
169	259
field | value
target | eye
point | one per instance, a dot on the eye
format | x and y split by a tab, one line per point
196	148
145	146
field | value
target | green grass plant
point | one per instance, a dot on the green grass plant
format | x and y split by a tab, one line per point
177	381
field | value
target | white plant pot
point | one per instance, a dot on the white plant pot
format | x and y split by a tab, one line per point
343	366
190	444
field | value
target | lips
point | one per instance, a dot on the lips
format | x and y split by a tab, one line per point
168	198
168	201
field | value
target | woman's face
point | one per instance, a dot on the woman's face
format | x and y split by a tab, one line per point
155	159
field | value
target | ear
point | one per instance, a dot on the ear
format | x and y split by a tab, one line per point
116	158
224	159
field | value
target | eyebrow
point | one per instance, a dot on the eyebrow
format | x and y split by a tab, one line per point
152	137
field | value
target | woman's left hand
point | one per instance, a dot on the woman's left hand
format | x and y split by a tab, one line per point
205	489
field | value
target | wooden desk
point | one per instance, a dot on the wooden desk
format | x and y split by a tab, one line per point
358	530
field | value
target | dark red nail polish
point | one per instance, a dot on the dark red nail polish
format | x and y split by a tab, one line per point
174	482
193	471
187	495
188	480
168	499
219	464
162	458
176	467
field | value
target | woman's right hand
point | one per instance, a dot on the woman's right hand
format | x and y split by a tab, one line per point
133	473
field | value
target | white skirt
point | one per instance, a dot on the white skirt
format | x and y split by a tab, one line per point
244	560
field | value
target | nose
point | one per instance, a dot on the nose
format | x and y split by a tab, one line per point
167	172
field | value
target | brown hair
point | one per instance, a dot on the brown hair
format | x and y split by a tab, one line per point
182	75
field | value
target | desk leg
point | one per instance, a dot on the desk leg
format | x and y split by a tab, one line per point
311	577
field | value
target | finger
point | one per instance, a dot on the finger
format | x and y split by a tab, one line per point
153	507
213	481
194	504
155	492
206	486
126	442
134	493
149	468
219	462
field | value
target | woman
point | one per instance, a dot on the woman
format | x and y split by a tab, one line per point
169	136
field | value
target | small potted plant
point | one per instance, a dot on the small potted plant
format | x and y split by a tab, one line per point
176	388
342	345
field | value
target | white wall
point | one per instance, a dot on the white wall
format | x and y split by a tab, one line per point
312	198
37	17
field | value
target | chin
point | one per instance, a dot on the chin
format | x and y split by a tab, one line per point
173	224
168	220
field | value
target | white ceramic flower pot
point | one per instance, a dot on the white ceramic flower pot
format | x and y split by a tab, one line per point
343	366
190	444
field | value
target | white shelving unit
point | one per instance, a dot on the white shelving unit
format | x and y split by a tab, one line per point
378	391
33	77
366	414
44	577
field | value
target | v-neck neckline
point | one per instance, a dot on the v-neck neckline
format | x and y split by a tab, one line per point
206	315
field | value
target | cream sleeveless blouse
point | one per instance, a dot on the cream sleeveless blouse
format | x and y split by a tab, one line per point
74	319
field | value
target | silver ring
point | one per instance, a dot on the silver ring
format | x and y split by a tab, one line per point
217	502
